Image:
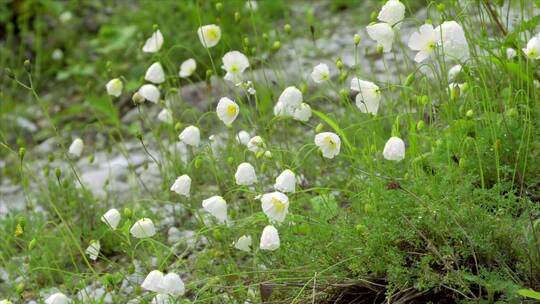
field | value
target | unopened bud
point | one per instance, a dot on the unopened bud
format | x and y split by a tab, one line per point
127	212
339	64
219	6
420	125
287	28
409	80
237	16
319	128
137	98
22	152
380	49
276	45
357	39
58	173
469	114
27	66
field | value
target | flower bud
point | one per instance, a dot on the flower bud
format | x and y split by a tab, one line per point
219	6
32	244
137	98
357	39
27	66
409	80
287	28
246	41
420	125
469	114
339	64
127	212
265	36
20	288
58	173
344	93
22	152
441	7
276	45
268	154
237	16
198	163
380	49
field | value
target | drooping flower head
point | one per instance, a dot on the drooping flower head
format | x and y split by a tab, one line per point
320	73
57	298
154	43
329	144
424	41
234	63
182	185
93	250
383	34
289	100
302	112
227	110
190	136
392	12
111	218
243	137
394	149
452	41
209	35
143	228
172	285
245	175
150	92
269	238
275	205
243	243
76	147
286	181
216	206
114	87
368	97
532	51
187	68
155	73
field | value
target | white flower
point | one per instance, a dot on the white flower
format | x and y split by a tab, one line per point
510	53
57	298
153	281
57	55
289	100
165	116
369	96
252	5
255	144
243	137
329	144
143	228
155	73
286	181
392	12
227	110
302	113
149	92
76	147
235	63
452	40
269	238
532	51
162	298
154	43
243	243
6	301
321	73
111	218
172	285
383	34
209	35
454	71
216	206
394	149
93	250
275	205
424	41
245	175
187	68
190	136
182	185
114	87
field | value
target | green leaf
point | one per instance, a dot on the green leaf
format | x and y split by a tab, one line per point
529	293
103	105
325	206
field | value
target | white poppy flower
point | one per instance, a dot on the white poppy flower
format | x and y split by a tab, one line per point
255	144
162	298
245	175
76	147
209	35
111	218
424	41
252	5
155	73
143	228
243	137
149	92
321	73
114	87
190	136
510	53
172	285
269	238
235	63
93	250
154	43
452	40
187	68
286	181
392	12
394	149
289	100
454	71
275	205
227	110
383	34
57	298
182	185
329	144
532	51
165	116
368	97
153	281
302	113
243	243
216	206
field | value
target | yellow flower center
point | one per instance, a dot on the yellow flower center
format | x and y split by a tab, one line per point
234	68
330	142
278	205
431	45
212	34
231	110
